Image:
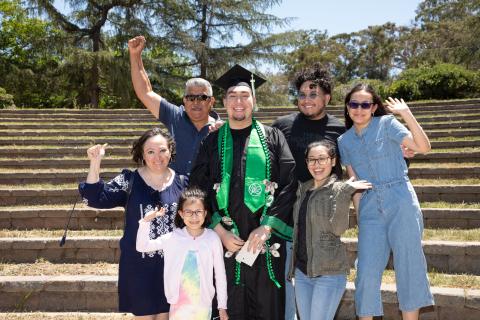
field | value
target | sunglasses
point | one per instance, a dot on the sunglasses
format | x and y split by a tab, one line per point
356	105
198	97
311	96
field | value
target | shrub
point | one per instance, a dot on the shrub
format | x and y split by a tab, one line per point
6	100
341	90
442	81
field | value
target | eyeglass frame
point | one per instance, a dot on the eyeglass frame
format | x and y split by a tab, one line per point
190	213
320	161
197	97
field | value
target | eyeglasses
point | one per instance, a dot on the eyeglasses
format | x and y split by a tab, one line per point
320	161
363	105
198	97
189	213
311	96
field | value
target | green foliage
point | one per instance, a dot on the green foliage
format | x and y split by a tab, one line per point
340	91
6	100
442	81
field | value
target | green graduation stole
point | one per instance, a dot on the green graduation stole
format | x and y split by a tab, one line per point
254	195
256	174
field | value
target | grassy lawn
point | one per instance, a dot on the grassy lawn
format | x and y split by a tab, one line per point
465	281
42	267
423	182
436	234
44	233
450	205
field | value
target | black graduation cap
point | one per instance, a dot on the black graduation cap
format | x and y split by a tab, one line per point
238	75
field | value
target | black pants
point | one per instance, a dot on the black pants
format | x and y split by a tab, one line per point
256	297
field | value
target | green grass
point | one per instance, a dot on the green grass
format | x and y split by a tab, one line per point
436	234
446	165
464	281
449	205
446	150
438	182
44	233
43	267
451	139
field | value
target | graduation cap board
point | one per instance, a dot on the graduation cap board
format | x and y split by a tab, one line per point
239	76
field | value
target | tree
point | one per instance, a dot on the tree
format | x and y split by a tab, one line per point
85	24
205	32
448	33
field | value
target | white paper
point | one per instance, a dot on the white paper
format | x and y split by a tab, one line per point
245	256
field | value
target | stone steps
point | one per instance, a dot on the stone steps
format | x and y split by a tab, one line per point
442	256
37	196
98	294
84	218
466	172
261	116
118	162
119	121
118	150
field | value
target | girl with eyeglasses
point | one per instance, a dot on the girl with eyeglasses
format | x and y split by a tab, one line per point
389	215
193	254
320	214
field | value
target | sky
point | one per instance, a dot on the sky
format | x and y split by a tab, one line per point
345	16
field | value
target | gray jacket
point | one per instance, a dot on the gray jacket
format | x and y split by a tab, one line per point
327	218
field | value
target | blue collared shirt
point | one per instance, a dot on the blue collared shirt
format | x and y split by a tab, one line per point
187	137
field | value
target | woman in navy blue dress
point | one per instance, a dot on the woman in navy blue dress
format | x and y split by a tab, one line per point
153	184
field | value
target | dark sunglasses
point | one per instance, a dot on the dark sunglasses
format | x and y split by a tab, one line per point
198	97
363	105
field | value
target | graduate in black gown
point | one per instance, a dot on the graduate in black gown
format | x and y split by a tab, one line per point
248	171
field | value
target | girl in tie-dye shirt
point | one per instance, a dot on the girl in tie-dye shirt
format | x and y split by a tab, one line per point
192	254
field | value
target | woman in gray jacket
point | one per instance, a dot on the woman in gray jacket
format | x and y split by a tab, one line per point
319	259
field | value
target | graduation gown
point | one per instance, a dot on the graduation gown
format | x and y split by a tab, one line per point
256	297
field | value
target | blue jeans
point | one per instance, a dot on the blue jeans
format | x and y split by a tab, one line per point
318	298
390	220
290	308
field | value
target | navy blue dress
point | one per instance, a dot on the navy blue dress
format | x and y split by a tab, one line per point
140	278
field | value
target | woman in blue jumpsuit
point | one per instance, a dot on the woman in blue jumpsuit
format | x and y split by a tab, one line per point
153	184
390	218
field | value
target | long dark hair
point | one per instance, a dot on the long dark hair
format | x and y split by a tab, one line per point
375	97
187	194
137	147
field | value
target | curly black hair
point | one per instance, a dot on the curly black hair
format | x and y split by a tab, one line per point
317	74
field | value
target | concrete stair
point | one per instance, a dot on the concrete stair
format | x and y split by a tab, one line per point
42	158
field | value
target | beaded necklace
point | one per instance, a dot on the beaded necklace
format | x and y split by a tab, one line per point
234	229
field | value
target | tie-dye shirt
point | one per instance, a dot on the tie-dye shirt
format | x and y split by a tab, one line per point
178	247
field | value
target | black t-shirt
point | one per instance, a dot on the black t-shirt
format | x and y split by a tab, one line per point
300	132
301	257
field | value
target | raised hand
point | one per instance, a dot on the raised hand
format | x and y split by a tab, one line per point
359	184
136	45
96	152
154	214
396	106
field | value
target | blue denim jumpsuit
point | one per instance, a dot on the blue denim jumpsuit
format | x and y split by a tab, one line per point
390	218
